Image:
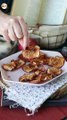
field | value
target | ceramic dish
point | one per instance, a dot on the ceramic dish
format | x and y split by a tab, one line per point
13	76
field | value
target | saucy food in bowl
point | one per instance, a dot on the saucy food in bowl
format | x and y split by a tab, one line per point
36	66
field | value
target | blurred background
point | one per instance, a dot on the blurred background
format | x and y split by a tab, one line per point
37	11
41	11
50	15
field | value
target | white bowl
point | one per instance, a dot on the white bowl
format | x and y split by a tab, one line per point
50	36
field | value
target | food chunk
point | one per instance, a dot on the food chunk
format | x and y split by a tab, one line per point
37	79
8	67
13	65
20	63
46	77
29	67
31	52
26	77
57	62
54	71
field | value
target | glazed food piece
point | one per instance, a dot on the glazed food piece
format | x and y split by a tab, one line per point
39	61
54	71
40	70
40	75
36	80
19	63
46	77
8	67
13	65
31	52
26	77
29	67
32	78
56	61
22	58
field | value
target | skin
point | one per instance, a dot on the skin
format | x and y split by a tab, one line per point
13	28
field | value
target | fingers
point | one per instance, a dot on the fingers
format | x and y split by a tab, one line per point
25	32
23	26
16	29
5	35
23	43
11	33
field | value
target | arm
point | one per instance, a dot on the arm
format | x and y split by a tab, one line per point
13	28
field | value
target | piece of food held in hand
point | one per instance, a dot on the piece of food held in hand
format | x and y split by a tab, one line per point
31	52
38	67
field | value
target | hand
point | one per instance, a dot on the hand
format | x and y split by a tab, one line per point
31	42
14	28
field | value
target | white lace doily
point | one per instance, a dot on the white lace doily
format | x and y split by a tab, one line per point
32	97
